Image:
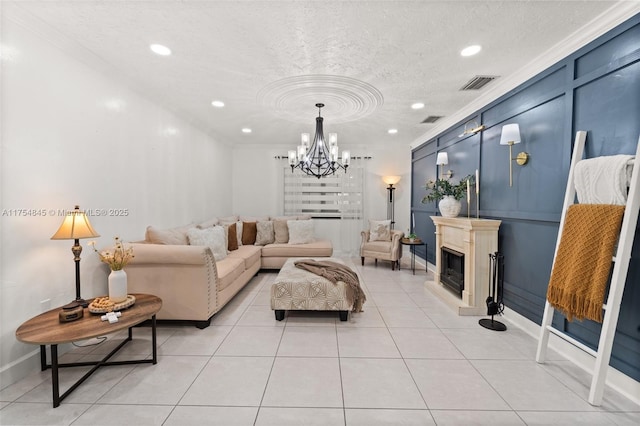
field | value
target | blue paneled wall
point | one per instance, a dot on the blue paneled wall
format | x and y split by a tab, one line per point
596	89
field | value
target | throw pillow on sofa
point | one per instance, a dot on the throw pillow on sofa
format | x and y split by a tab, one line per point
232	243
301	231
264	233
173	236
281	231
238	229
212	237
249	231
379	230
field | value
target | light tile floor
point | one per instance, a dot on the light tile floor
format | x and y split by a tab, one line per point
407	359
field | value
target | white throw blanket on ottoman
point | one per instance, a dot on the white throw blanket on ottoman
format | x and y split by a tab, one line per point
296	289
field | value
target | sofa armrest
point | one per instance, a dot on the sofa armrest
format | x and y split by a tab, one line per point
184	277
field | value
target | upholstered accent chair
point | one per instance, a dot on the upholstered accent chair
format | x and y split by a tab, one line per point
385	250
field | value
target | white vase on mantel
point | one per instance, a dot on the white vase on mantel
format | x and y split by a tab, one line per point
118	286
449	206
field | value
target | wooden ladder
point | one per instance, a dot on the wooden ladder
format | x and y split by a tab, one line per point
621	266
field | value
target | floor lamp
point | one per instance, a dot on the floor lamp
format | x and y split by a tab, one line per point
75	226
390	181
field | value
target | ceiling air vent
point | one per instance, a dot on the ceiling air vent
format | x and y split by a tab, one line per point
478	82
431	119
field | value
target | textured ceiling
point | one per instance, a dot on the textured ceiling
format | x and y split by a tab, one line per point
272	61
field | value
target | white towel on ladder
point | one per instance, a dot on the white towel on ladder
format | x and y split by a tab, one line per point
603	180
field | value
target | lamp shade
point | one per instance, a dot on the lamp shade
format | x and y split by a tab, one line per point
75	225
443	158
510	134
391	180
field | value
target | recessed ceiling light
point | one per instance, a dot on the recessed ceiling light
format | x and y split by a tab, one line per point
217	104
471	50
246	130
160	49
417	105
392	131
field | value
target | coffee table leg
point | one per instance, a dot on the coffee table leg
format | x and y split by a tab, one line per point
153	339
54	376
43	357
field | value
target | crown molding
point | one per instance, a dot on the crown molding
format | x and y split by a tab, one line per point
617	14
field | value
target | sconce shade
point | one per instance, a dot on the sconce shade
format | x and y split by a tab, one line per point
391	180
75	226
443	158
510	134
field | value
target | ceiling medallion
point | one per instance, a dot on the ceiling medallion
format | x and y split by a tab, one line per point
350	99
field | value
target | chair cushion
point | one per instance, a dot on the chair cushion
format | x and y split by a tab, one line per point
377	246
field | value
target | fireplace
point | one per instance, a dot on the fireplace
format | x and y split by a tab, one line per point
452	270
466	242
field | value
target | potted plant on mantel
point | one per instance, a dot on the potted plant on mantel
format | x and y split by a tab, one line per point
448	194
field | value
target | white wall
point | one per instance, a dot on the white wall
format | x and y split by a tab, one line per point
257	184
72	135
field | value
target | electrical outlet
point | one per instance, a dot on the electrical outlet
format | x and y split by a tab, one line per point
45	305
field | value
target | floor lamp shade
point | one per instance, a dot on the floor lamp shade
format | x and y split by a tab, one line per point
75	226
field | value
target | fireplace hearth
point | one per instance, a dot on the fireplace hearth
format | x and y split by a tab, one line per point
452	270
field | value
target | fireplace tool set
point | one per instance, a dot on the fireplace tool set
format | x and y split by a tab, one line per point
496	285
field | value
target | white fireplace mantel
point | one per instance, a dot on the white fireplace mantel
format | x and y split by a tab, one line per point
476	238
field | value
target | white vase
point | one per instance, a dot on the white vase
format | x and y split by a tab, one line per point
449	206
118	286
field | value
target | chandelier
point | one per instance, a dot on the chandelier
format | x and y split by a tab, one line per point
319	159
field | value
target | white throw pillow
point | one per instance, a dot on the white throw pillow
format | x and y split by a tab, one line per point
264	234
212	237
379	230
239	232
301	231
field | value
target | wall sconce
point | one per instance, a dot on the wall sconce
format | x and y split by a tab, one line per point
390	180
442	160
469	130
510	136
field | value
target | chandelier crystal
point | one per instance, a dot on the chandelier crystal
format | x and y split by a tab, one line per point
320	159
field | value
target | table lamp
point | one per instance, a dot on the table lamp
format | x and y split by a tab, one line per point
75	226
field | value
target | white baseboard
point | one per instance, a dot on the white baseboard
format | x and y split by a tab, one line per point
20	368
622	383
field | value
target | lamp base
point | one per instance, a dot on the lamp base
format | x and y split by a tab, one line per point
491	324
80	301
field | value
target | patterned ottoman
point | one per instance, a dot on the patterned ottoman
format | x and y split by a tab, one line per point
298	290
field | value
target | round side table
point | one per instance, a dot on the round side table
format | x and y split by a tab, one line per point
412	246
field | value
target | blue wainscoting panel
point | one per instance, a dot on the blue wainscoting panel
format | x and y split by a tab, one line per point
608	109
525	281
538	186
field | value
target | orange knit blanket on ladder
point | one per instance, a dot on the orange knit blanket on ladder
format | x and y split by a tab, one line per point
581	269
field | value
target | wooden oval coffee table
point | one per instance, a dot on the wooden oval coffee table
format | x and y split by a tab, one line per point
46	329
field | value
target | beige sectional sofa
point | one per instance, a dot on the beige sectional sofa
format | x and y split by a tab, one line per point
192	284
